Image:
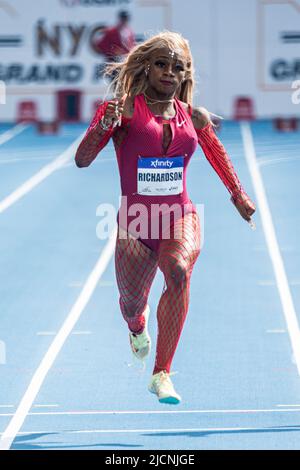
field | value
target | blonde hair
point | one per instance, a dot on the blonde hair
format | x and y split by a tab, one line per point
130	73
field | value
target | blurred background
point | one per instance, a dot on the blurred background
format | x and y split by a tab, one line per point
52	52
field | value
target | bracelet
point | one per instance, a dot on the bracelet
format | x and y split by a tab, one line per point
104	126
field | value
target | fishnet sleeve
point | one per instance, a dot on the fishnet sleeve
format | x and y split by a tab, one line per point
94	140
217	156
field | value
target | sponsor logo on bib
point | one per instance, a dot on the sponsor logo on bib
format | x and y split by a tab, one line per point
158	176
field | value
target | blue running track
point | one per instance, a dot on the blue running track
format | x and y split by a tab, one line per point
237	371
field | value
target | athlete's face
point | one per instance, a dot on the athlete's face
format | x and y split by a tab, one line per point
166	71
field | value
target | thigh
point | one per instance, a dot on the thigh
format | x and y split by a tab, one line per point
182	247
135	263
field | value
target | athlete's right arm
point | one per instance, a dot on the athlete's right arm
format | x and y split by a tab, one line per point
96	136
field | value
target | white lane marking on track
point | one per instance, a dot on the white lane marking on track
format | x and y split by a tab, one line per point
173	430
53	333
97	431
97	161
151	412
75	284
23	160
288	405
46	406
267	283
38	378
81	333
46	333
287	249
8	135
272	243
276	331
40	176
272	161
7	406
101	283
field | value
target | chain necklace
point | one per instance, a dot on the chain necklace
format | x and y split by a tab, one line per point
158	101
153	101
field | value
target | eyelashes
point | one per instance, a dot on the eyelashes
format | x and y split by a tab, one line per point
179	68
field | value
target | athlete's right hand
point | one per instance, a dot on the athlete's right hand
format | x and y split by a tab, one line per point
114	110
244	205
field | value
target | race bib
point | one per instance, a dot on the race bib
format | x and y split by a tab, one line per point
160	176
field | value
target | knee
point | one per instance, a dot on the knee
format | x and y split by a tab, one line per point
177	274
132	308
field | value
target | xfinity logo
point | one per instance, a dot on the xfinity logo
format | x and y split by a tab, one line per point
157	163
93	3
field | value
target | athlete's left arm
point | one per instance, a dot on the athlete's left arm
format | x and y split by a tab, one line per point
217	156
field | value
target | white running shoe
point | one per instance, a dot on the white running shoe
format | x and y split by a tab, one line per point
141	344
161	385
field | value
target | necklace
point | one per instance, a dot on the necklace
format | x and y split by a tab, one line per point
153	101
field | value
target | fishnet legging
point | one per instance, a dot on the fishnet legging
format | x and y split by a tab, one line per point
136	266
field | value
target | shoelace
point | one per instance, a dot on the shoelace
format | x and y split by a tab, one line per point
139	339
165	376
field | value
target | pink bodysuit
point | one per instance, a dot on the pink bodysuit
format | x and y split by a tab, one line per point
144	142
150	176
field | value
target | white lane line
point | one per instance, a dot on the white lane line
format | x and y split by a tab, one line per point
267	283
35	152
151	412
15	160
272	161
46	333
101	283
97	161
276	331
38	378
8	135
288	405
160	430
81	333
40	176
24	160
75	284
53	333
287	249
175	430
7	406
272	243
45	406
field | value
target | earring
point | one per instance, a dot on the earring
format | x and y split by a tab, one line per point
147	70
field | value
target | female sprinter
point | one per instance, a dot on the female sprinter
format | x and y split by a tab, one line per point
156	136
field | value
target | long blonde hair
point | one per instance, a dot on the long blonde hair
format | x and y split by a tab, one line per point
130	73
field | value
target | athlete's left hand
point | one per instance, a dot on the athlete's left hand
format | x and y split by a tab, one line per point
244	205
